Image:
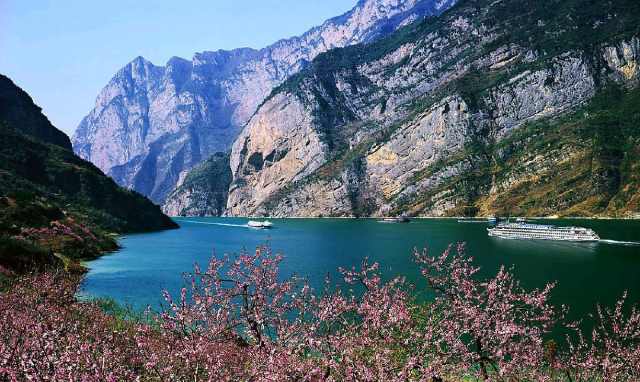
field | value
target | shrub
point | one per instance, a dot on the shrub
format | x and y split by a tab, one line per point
19	255
239	320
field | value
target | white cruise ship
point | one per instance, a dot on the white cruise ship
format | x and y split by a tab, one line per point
542	232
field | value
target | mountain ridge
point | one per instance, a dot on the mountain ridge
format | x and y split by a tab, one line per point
14	103
366	129
151	124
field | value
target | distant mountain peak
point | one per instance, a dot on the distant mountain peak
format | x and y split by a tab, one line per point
151	123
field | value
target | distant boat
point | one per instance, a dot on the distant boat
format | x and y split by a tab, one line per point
400	219
492	219
471	220
259	224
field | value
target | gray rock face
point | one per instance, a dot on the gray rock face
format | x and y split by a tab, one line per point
442	131
151	124
278	147
391	129
622	61
532	95
204	190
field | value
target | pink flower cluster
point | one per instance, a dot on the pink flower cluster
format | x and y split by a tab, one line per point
239	320
493	326
64	236
46	335
68	228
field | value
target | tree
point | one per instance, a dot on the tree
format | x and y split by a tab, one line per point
492	328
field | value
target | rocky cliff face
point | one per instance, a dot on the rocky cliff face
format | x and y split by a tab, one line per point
151	124
436	119
204	191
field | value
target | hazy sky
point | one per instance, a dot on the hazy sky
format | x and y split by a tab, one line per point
63	52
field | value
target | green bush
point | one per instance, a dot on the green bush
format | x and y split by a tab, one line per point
23	256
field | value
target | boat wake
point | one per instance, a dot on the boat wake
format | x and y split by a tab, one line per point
617	242
219	224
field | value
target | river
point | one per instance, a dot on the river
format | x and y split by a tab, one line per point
586	273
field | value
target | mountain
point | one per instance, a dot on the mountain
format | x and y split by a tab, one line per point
151	124
53	204
17	108
204	191
510	107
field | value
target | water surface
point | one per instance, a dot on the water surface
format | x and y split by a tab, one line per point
586	273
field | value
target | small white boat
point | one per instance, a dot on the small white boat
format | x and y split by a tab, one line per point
401	219
471	220
259	224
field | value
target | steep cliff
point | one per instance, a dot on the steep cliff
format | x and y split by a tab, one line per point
204	191
52	203
151	124
447	117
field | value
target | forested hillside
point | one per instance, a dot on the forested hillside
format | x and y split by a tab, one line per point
54	206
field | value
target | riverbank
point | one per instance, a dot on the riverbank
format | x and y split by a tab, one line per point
57	209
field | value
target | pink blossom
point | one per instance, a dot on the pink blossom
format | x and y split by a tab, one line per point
239	320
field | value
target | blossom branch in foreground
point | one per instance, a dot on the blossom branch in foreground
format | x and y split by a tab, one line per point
239	319
492	326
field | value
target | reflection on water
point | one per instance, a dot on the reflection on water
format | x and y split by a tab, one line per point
546	246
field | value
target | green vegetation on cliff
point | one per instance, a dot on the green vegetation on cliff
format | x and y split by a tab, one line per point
55	206
598	161
581	161
204	190
586	163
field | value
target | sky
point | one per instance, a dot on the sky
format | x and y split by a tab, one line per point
62	52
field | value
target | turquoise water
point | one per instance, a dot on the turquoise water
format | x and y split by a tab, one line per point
313	248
